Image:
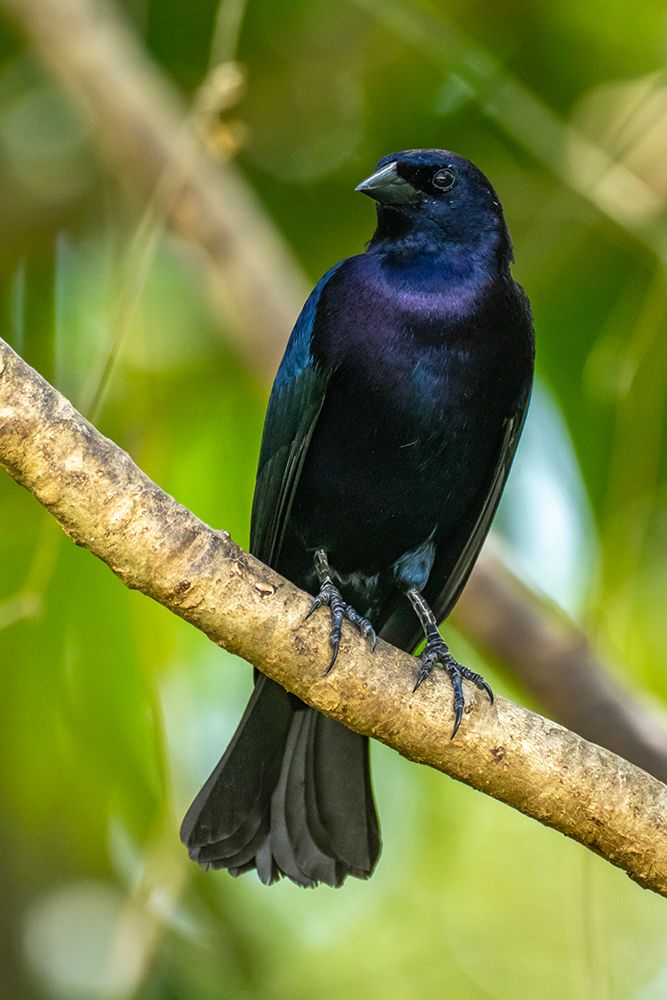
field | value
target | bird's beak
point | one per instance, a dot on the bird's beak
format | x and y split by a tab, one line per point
388	187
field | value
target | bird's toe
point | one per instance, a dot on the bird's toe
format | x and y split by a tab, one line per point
437	652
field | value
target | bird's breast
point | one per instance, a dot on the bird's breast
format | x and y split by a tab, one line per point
413	416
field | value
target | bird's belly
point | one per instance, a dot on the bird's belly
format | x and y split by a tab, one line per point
380	477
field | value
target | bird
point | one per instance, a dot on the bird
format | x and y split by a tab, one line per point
389	434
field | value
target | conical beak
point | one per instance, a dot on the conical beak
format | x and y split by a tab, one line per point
388	187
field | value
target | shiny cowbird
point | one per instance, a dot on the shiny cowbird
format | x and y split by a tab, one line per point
389	434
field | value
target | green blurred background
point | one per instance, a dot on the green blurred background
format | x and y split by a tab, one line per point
113	710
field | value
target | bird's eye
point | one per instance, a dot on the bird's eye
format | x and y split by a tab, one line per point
444	180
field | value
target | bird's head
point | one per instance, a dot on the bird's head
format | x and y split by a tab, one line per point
434	199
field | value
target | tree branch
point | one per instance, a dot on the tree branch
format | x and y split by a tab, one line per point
556	664
105	503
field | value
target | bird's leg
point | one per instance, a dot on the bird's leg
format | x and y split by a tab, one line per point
436	651
331	596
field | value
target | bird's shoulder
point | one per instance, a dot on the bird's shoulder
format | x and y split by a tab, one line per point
298	353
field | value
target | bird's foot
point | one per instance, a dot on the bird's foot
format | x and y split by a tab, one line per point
331	596
436	651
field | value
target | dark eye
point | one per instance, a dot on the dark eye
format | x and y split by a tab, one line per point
444	180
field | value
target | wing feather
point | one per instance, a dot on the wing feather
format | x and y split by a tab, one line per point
294	407
447	580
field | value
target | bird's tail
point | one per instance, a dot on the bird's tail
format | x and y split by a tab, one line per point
291	796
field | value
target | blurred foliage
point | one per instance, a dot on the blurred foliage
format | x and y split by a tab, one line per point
114	710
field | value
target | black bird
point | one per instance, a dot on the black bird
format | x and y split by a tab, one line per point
389	434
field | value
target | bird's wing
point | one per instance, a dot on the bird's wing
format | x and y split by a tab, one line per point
448	578
294	406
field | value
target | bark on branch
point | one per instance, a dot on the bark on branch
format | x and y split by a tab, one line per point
105	503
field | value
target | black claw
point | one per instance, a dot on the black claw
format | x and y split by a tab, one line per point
478	681
367	630
457	720
424	670
333	658
313	607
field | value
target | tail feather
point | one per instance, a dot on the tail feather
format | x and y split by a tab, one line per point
290	797
309	840
230	808
291	843
220	855
353	830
